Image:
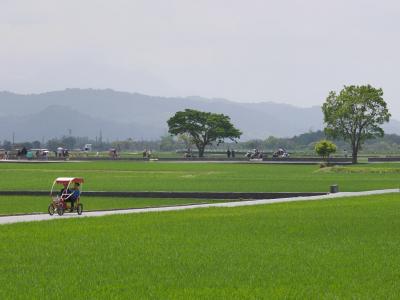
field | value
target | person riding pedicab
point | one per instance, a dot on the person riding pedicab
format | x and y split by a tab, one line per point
70	195
73	196
65	191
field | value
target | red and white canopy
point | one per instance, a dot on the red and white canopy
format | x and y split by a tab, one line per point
67	180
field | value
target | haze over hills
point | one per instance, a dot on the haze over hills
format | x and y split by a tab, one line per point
119	115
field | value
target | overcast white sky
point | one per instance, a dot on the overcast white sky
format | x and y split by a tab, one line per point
250	51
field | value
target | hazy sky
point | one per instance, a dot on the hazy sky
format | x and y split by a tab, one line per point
250	51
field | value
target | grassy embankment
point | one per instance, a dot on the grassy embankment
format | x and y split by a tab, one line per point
336	249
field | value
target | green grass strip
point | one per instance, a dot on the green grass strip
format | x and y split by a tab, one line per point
38	204
134	176
359	170
335	249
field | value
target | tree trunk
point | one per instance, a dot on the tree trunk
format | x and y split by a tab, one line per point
354	156
201	150
354	151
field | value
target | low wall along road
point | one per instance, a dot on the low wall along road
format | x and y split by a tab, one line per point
384	159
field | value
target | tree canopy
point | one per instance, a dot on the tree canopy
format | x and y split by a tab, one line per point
204	128
355	114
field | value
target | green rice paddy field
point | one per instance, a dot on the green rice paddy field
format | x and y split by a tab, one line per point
158	176
335	249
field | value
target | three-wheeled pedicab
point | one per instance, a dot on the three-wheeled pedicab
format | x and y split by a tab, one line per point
59	200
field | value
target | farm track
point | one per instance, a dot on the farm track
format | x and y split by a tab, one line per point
45	217
225	161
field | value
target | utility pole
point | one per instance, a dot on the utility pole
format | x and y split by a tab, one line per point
101	138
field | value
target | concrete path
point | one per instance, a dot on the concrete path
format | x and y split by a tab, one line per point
43	217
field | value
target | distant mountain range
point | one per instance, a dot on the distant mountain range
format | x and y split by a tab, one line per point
119	115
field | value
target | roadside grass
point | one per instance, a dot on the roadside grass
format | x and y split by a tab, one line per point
156	176
334	249
39	204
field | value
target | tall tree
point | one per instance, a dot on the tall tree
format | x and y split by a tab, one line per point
204	128
355	114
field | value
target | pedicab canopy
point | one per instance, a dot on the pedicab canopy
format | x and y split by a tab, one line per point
67	180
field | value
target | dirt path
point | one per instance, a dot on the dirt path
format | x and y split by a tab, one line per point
44	217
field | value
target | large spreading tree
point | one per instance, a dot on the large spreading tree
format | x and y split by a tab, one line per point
355	114
204	128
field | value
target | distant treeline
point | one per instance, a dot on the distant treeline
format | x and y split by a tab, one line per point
303	143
